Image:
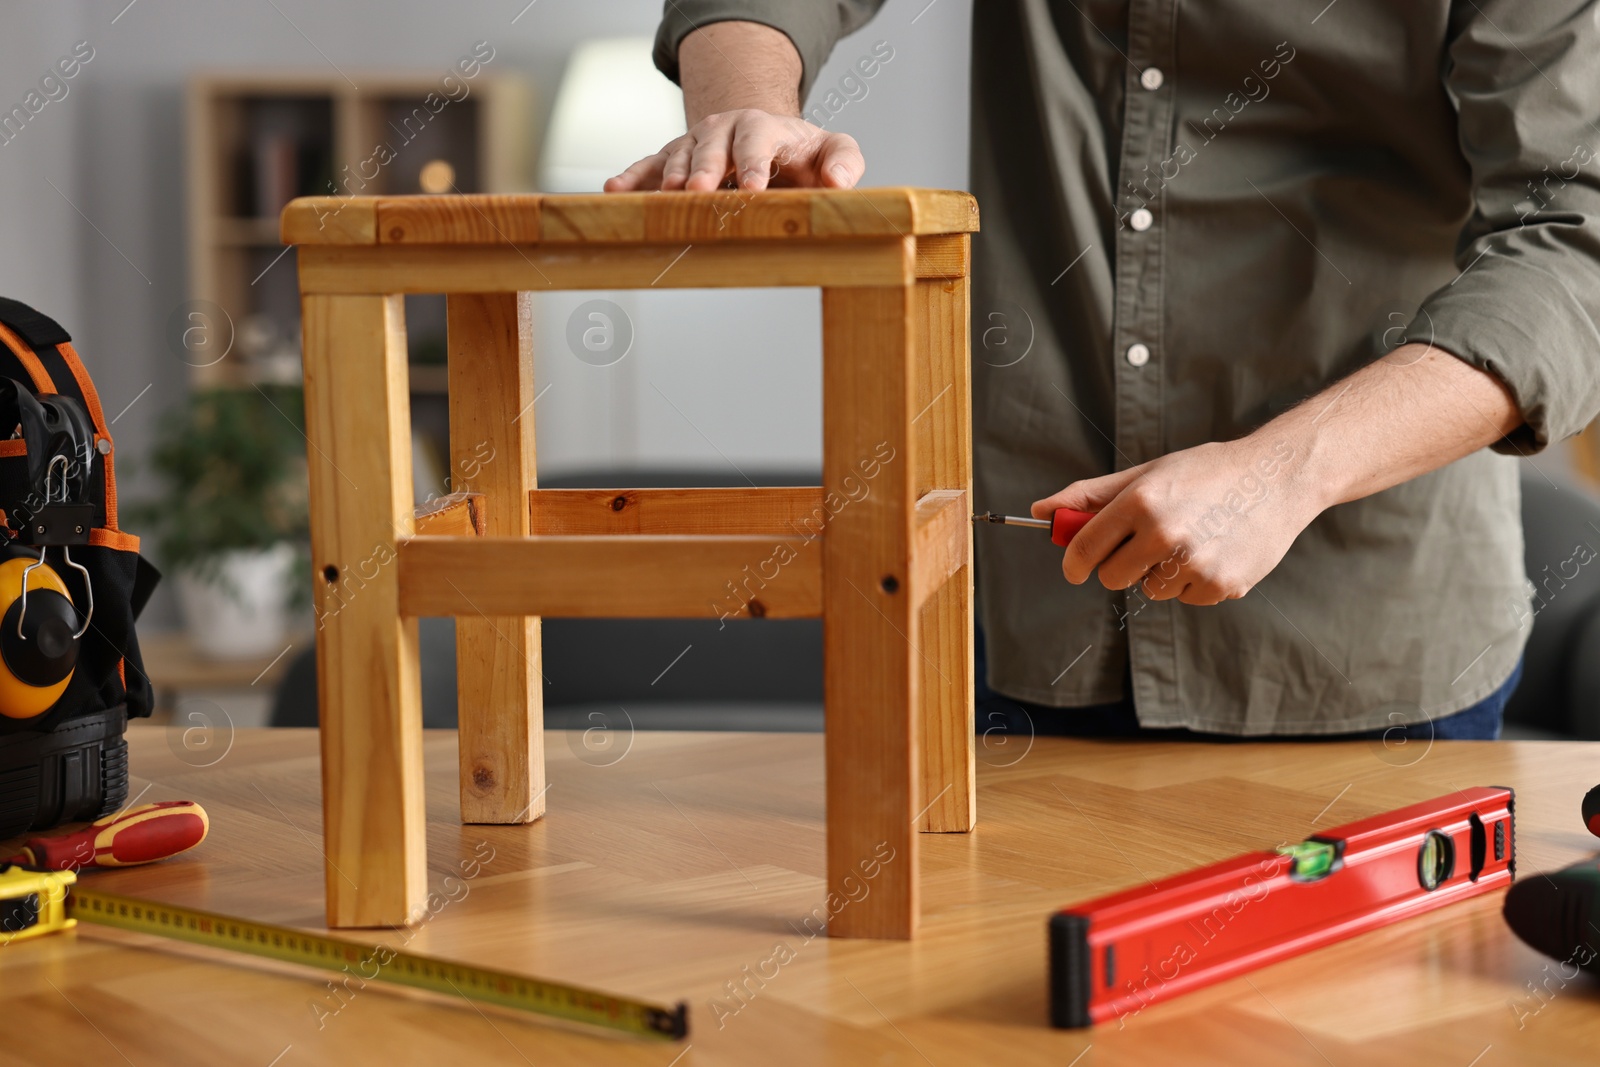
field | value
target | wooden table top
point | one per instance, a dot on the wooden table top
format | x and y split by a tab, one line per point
665	871
627	218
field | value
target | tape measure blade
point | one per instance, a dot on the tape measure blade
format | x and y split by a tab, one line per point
379	963
518	992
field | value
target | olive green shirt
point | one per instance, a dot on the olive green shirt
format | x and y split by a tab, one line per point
1196	216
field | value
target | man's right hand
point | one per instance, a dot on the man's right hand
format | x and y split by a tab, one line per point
756	149
741	84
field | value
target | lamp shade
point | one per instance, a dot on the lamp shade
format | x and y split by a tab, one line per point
612	109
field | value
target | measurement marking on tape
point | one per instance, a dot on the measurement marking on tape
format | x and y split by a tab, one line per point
446	977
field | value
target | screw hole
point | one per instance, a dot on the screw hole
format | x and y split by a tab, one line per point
331	573
890	584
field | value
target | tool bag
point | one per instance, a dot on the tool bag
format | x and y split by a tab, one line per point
58	505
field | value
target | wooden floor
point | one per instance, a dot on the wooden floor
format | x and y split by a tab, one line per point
666	871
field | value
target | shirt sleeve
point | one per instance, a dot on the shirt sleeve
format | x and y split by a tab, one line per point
814	26
1526	304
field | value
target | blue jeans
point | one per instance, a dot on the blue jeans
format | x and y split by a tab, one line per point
1000	715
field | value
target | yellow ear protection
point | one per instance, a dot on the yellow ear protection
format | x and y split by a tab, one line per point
40	633
39	637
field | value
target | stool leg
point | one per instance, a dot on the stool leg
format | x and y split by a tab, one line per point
499	702
942	431
871	663
358	422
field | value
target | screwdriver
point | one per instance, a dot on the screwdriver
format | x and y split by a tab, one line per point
122	839
1063	526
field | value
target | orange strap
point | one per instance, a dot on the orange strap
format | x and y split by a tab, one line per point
91	400
117	539
111	490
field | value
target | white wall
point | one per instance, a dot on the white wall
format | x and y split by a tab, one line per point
39	230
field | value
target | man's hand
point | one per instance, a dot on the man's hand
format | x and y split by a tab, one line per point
1202	525
757	148
741	94
1207	523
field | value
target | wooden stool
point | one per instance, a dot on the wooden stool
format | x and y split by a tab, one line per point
881	551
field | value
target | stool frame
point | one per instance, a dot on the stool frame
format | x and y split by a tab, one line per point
881	551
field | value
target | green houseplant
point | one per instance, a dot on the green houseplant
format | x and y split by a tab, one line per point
232	519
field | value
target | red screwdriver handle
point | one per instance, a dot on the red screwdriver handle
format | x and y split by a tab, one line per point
140	835
1066	523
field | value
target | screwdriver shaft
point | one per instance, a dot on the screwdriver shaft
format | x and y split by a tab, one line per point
1012	520
1063	525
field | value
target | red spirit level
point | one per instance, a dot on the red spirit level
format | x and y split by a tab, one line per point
1112	956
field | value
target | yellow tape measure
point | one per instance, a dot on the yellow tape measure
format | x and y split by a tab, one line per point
32	903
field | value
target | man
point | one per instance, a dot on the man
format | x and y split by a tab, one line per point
1300	279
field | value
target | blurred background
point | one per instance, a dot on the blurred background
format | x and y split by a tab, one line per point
140	199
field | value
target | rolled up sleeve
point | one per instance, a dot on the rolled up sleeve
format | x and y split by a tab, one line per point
1526	303
814	26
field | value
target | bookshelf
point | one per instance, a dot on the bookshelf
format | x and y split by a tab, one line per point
257	139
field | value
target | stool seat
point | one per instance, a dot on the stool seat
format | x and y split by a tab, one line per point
881	550
626	218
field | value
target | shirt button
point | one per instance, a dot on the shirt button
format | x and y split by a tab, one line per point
1138	355
1151	78
1140	220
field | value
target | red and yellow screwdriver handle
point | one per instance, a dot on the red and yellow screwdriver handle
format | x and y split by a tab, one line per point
144	834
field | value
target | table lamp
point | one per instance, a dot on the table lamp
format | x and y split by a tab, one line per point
612	108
